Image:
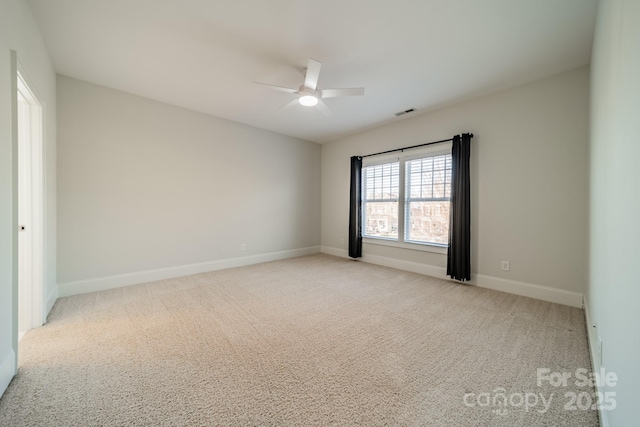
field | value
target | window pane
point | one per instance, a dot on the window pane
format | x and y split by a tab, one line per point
427	189
428	222
381	190
381	182
429	178
439	162
414	191
380	219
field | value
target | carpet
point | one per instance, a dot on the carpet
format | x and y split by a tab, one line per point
311	341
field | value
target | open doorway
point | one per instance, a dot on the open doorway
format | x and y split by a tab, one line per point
30	209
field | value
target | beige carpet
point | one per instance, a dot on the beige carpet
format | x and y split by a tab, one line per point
310	341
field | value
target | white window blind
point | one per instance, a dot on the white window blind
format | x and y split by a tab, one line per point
428	194
381	192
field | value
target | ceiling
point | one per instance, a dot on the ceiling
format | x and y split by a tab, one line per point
204	54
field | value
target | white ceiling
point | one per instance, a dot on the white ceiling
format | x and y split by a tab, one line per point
204	54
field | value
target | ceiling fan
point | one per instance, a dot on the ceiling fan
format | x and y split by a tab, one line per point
309	95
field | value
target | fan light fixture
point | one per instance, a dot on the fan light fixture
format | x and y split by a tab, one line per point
308	100
309	95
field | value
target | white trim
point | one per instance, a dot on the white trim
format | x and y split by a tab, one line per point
414	267
591	336
429	151
110	282
342	253
7	371
51	300
531	290
412	154
412	246
14	225
31	250
402	200
545	293
380	160
595	364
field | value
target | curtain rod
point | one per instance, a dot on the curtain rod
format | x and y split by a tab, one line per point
413	146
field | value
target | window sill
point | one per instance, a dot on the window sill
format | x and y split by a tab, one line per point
423	247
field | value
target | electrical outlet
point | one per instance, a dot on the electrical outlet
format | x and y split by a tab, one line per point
243	246
220	249
341	242
505	266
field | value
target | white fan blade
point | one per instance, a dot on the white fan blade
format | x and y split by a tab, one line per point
280	88
335	93
312	75
323	108
288	105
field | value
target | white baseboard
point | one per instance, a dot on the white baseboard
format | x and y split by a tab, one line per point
591	336
334	251
530	290
7	371
118	281
414	267
51	300
595	360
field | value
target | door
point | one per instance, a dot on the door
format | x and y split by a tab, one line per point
30	210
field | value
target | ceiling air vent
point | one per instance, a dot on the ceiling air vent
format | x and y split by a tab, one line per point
402	113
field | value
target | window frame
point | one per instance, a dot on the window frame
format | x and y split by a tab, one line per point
401	241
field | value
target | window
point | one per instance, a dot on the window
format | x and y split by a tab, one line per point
412	210
428	192
381	184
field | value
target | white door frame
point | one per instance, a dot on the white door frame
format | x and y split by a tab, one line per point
31	296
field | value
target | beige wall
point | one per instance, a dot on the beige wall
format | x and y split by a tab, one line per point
19	32
144	185
529	180
614	285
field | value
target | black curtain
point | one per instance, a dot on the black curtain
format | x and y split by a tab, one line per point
355	208
459	254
